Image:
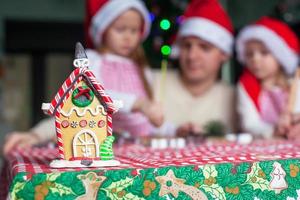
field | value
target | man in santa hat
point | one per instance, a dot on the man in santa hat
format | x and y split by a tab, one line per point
194	96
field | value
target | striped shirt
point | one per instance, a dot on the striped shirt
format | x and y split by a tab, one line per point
121	75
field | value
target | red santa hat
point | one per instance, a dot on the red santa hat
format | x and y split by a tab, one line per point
207	20
281	41
251	87
101	13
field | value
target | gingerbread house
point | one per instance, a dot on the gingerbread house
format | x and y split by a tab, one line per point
83	118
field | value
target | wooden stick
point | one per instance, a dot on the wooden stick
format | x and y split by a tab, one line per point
293	92
164	69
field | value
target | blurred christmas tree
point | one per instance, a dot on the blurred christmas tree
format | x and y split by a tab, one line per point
289	11
245	12
166	16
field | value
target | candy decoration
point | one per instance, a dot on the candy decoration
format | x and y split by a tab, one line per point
83	91
106	152
92	124
57	102
101	123
74	124
82	96
65	124
76	96
83	123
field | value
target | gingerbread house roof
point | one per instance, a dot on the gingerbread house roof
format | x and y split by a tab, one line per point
75	77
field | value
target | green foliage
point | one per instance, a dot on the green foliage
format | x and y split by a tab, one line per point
55	196
37	179
27	193
61	190
215	128
222	181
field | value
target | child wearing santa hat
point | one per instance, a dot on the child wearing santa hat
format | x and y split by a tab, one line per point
269	50
204	42
115	29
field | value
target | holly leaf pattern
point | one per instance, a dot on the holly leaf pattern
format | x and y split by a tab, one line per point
131	196
115	190
120	185
127	196
61	189
215	191
260	184
17	187
52	176
216	181
209	171
111	195
255	181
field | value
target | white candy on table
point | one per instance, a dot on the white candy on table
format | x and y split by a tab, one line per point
163	143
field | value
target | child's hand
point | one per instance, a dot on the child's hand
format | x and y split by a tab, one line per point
188	129
293	133
152	110
284	124
20	140
183	130
296	118
294	130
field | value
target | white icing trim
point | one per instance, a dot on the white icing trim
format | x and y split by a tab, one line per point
81	62
46	107
207	30
98	109
77	163
76	137
278	47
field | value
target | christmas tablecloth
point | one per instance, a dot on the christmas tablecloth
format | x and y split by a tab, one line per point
261	170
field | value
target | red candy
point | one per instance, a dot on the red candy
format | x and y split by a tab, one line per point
65	124
83	123
101	123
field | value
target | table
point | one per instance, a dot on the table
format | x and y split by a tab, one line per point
261	170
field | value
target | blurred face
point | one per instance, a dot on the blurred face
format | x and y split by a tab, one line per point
199	60
124	34
260	61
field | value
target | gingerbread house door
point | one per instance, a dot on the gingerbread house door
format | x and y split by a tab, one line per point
85	144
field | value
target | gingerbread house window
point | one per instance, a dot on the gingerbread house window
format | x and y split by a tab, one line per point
85	144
